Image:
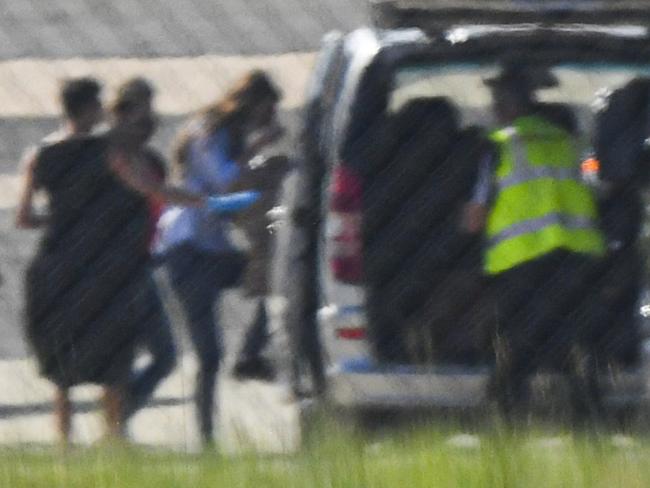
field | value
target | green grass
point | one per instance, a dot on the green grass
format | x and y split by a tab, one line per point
334	458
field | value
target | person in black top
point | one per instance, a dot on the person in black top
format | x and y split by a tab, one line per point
82	110
622	127
82	107
89	289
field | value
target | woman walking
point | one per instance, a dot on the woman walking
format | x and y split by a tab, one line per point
200	256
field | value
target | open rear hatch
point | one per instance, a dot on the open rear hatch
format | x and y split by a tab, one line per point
426	303
440	15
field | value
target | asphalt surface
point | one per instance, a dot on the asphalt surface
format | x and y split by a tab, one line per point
152	28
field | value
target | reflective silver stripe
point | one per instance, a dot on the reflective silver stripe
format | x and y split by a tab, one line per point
523	171
571	222
532	173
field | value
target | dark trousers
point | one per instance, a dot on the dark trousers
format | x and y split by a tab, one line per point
545	322
198	279
158	341
257	335
617	337
305	343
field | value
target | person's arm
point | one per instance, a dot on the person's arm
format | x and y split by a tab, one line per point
476	210
26	217
268	136
139	178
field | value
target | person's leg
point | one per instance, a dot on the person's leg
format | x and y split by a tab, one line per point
501	381
621	343
309	337
581	320
196	287
513	367
113	402
250	363
519	320
63	413
305	345
159	342
585	391
207	343
561	319
257	334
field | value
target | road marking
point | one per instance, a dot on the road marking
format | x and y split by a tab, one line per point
29	87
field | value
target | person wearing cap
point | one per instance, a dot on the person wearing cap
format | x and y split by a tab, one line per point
542	243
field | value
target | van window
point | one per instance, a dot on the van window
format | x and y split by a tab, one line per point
581	86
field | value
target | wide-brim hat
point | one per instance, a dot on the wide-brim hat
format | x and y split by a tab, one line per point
523	77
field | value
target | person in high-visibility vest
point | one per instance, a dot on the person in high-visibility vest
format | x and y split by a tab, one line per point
541	243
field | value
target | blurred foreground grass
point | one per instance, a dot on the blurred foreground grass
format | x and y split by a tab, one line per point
426	457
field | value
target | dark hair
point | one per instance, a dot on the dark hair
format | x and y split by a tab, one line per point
131	93
232	112
427	113
77	94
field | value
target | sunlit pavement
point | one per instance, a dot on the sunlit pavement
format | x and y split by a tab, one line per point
191	58
251	414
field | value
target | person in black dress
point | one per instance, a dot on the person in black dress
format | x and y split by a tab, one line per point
89	289
82	107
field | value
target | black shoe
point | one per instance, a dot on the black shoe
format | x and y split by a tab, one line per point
254	369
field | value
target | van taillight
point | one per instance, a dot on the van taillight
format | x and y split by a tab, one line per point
351	333
345	218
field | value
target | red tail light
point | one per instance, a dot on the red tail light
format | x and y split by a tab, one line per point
345	216
351	333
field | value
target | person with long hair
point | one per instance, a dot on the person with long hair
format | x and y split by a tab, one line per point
199	254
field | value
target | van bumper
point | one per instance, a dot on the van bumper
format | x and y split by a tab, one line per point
357	384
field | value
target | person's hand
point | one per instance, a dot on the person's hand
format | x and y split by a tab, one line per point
267	136
232	202
473	218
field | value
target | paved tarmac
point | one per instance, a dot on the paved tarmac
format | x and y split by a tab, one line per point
57	29
192	50
252	415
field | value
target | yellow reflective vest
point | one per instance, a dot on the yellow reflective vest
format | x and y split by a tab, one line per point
541	203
